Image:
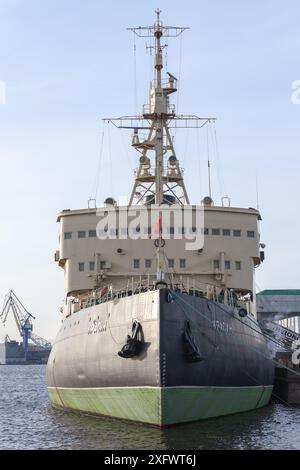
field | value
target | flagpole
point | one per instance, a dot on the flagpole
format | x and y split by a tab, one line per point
158	228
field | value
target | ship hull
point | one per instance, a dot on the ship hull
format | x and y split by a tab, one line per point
160	386
162	406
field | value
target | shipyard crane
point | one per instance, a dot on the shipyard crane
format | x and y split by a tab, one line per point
23	320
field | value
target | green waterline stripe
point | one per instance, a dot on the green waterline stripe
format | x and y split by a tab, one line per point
163	406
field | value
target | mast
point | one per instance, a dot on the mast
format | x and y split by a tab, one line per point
159	177
158	111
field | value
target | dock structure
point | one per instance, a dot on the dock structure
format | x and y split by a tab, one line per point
287	379
279	317
280	305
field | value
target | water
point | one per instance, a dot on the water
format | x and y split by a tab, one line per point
28	421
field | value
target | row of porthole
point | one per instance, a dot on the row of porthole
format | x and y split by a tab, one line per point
171	264
136	264
170	231
227	265
70	326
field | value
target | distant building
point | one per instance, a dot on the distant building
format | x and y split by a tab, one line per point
281	306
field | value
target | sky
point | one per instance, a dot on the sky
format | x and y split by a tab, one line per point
68	64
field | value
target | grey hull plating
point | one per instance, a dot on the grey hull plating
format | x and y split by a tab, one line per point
234	350
84	360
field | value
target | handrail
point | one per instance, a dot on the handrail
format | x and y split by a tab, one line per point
191	287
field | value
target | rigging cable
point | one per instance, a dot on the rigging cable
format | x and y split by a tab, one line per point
179	80
186	146
208	162
179	74
199	161
166	53
218	159
135	74
110	161
215	159
151	63
128	155
95	186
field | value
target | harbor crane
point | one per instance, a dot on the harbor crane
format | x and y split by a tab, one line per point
23	320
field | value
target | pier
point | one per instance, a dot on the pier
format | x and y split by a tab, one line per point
287	379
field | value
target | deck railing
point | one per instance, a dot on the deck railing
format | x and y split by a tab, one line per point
190	287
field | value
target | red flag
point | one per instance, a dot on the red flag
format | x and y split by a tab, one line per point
158	227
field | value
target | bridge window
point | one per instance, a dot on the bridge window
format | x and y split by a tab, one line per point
92	266
81	267
136	263
182	263
238	266
68	235
216	264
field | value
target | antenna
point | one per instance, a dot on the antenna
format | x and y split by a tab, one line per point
158	12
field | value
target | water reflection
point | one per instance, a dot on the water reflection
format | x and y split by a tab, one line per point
28	421
268	428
